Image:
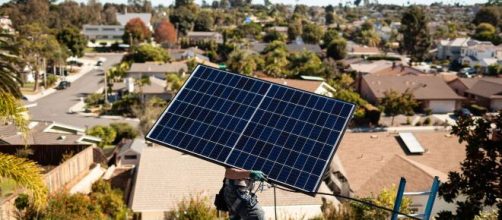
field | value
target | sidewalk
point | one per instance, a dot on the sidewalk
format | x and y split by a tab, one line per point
87	67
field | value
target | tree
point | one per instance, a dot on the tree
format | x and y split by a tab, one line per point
242	62
416	37
136	32
73	40
11	63
273	35
183	3
183	18
110	201
488	14
165	32
174	81
107	134
337	49
305	63
146	53
312	33
479	178
276	59
395	103
328	37
26	174
370	38
294	28
123	131
148	113
485	32
204	21
329	17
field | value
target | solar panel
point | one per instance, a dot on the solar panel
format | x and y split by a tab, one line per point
239	121
411	143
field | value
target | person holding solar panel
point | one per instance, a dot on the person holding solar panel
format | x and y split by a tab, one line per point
238	196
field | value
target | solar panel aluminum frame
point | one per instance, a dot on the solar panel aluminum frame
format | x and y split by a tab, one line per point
328	162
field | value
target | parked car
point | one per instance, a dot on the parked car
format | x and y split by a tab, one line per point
63	85
463	112
99	63
468	72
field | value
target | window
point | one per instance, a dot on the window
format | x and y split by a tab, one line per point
130	157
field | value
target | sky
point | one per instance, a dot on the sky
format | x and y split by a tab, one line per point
311	2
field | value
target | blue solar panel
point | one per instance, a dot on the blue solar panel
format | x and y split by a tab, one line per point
239	121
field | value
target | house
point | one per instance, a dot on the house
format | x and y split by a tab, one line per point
123	19
103	32
205	36
130	152
165	177
189	53
315	86
384	68
374	161
430	91
487	92
109	33
156	88
358	50
451	49
482	54
46	133
460	85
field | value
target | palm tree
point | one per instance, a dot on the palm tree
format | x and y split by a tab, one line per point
144	80
10	66
25	173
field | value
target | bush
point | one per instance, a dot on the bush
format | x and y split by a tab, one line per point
428	111
110	201
107	134
123	130
94	99
51	80
195	207
408	121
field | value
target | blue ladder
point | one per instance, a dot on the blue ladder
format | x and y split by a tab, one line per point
430	202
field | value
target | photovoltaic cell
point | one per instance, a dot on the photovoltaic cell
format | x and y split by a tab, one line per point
239	121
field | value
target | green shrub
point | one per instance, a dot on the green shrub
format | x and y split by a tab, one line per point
428	111
107	134
51	80
123	130
94	99
195	207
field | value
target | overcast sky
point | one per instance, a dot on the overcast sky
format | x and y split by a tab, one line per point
311	2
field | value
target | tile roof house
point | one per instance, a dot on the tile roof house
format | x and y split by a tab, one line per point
431	91
487	92
374	161
165	177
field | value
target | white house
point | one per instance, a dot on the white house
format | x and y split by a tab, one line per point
482	54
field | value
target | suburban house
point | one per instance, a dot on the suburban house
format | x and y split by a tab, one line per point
460	85
158	70
354	49
387	158
487	92
188	53
482	54
111	33
431	91
46	133
451	49
205	36
156	88
165	177
65	154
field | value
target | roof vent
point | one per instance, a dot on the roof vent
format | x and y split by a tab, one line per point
374	136
62	138
411	143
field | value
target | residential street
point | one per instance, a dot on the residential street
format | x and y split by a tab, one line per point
54	107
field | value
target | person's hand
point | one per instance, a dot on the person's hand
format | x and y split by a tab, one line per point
257	175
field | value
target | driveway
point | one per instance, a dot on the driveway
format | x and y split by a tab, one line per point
54	107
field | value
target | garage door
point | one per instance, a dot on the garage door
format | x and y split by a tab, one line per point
442	106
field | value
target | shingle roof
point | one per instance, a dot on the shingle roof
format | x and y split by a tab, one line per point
156	86
38	135
422	87
164	177
468	82
487	88
374	163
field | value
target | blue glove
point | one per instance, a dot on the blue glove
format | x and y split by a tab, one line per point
257	175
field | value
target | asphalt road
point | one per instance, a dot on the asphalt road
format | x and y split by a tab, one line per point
54	107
